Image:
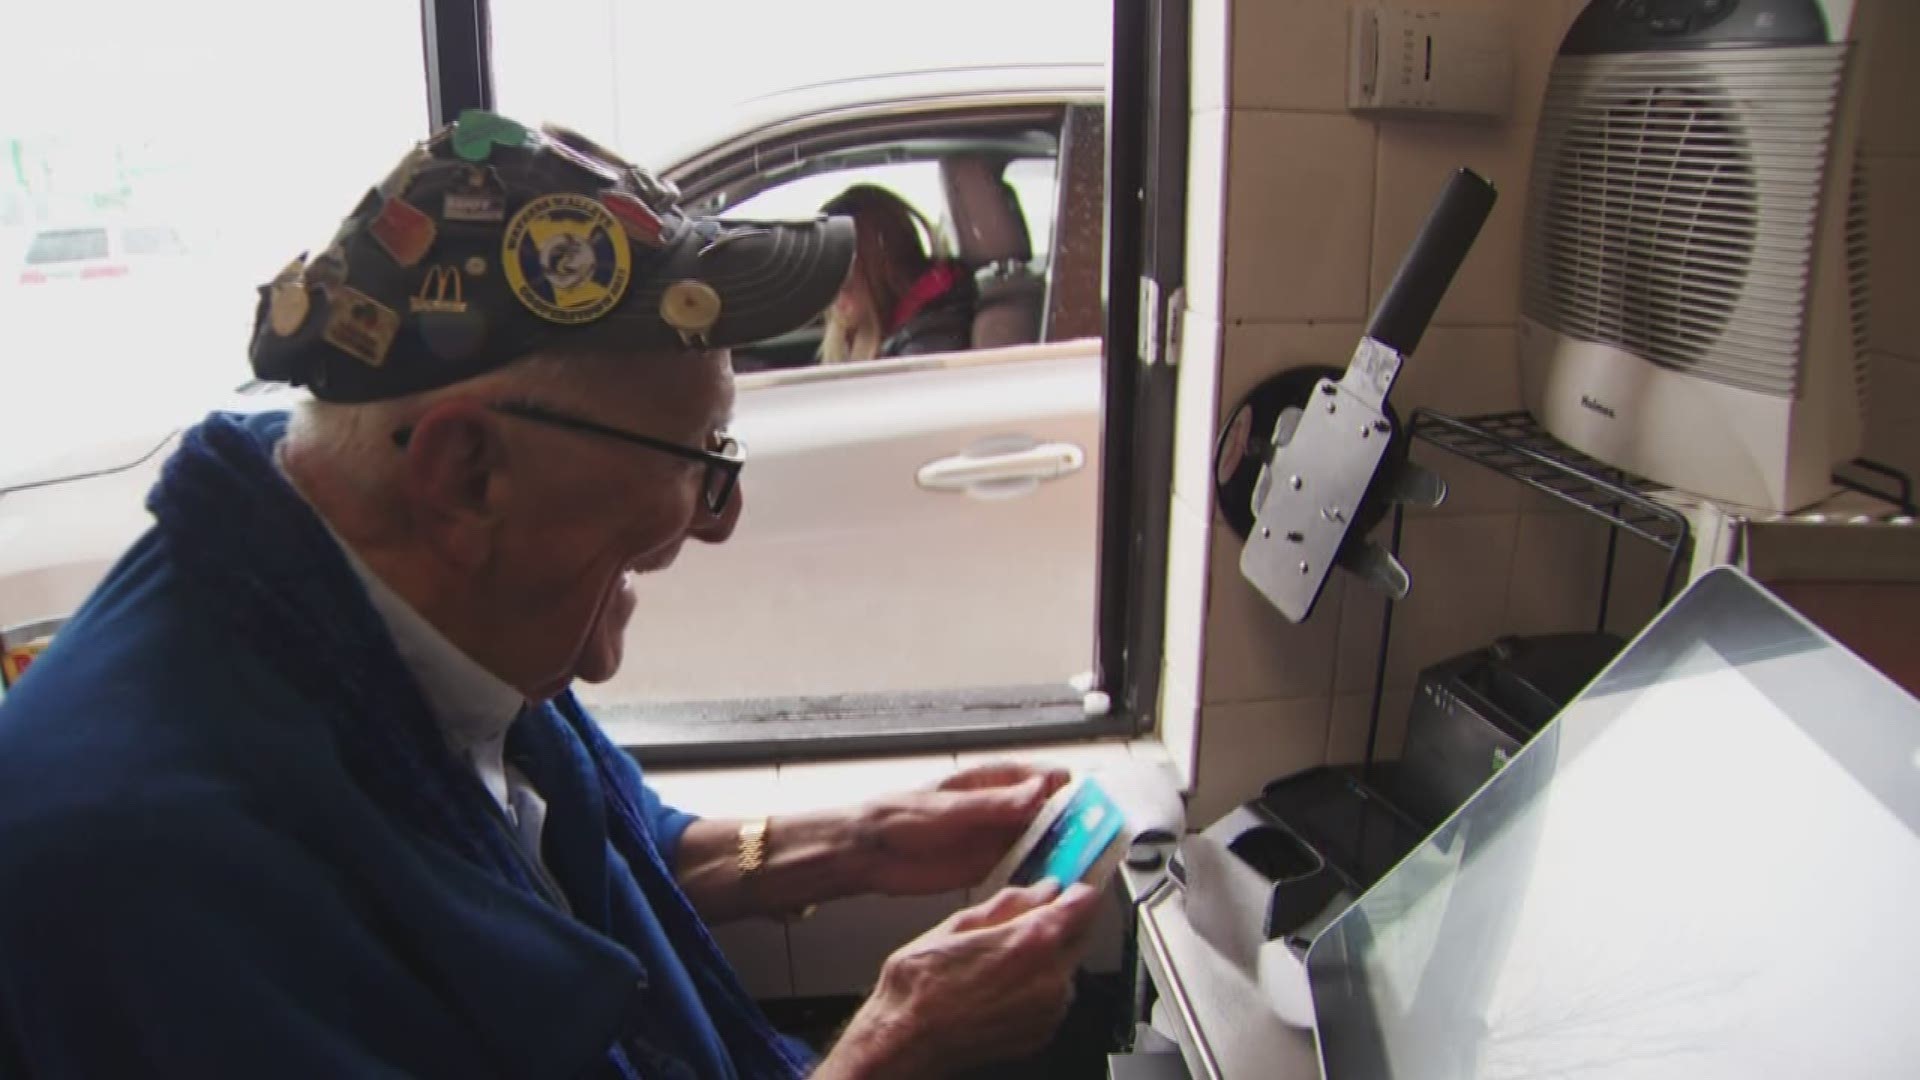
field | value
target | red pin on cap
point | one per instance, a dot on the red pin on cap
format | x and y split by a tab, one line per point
636	217
403	229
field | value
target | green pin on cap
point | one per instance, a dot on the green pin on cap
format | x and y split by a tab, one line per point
478	131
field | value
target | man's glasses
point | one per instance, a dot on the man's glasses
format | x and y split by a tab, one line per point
723	462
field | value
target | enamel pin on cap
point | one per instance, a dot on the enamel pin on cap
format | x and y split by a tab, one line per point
404	230
359	325
691	307
287	302
566	259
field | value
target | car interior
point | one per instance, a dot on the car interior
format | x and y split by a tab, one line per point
982	218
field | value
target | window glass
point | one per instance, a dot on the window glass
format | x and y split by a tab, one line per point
1032	181
913	525
157	163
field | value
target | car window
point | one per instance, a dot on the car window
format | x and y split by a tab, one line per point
1033	183
918	182
919	523
67	245
152	240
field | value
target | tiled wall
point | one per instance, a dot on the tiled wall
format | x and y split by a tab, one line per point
1300	212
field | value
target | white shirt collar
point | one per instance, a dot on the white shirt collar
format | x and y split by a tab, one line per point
475	707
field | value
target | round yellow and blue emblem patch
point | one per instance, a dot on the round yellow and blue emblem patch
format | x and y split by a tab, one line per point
566	258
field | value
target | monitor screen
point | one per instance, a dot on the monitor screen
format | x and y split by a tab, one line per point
1704	868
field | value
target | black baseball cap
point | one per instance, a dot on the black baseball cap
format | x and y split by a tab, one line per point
491	240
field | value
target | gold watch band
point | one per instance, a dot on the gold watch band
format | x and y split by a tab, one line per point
751	856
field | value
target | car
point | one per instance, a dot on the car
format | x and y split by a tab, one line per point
97	251
915	529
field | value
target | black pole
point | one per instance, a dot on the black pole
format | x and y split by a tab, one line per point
458	37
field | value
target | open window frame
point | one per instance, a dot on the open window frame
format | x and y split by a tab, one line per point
1145	136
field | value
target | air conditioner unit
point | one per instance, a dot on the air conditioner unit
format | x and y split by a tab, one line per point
1694	297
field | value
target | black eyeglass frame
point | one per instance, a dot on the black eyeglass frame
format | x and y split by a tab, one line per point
723	464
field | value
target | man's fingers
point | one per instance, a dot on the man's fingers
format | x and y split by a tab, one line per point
1004	774
1008	903
1066	922
1012	806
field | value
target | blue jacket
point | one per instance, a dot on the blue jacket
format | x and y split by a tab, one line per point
195	880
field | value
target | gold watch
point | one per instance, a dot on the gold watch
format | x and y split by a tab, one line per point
751	855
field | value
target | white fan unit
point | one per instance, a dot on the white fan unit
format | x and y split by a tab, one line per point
1694	296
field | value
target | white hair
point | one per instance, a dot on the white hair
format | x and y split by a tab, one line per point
356	440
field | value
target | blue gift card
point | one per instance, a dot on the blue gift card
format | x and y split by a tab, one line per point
1075	840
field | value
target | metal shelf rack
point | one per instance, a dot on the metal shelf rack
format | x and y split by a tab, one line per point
1514	445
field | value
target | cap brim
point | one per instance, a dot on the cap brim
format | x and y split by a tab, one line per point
771	277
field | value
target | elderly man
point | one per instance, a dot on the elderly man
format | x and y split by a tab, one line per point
301	790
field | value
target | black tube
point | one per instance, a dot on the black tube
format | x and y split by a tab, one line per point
1428	268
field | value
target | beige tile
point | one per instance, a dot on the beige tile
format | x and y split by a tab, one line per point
1416	158
1892	44
1209	30
1252	652
1189	542
757	948
1893	196
1471	488
1290	56
840	949
1538	29
1252	351
1244	746
1347	731
1559	563
1461	566
1299	201
1462	372
1196	396
1206	210
1178	725
829	785
717	793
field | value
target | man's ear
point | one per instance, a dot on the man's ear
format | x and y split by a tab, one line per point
458	479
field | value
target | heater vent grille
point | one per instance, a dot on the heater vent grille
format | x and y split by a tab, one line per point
1676	200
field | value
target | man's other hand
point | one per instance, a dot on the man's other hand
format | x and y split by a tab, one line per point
991	983
950	835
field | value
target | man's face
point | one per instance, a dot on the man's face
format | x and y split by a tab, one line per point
593	510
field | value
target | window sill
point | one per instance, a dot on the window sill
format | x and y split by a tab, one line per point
756	732
798	785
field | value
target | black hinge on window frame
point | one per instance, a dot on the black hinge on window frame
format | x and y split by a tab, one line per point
458	38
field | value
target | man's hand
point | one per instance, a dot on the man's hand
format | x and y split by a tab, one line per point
990	983
950	835
935	840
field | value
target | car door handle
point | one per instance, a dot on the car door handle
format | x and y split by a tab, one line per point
1001	470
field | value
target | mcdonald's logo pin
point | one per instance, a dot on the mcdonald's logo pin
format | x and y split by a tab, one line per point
442	291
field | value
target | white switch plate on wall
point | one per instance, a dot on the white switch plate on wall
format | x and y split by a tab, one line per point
1429	62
